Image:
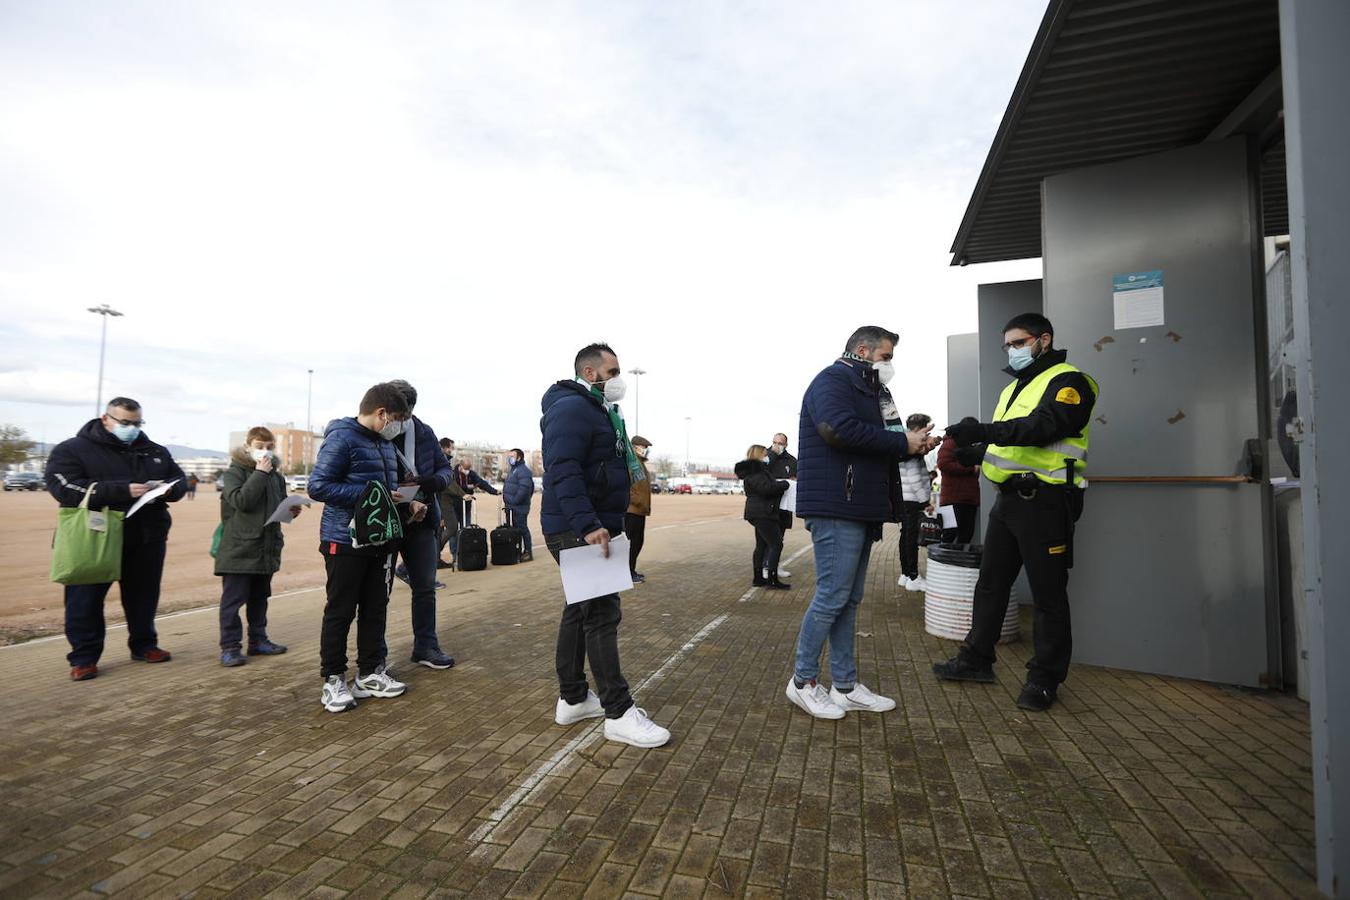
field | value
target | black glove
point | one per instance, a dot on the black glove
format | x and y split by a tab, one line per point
970	456
965	435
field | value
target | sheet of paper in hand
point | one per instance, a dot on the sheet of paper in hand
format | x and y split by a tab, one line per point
406	493
789	499
153	494
587	574
287	509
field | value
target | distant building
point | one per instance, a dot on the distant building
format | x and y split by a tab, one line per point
204	467
295	446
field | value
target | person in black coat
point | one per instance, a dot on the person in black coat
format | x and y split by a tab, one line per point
762	494
114	458
782	464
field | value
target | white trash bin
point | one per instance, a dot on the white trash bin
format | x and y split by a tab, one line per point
953	570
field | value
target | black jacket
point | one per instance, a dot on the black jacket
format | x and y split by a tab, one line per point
762	492
1051	420
97	456
784	465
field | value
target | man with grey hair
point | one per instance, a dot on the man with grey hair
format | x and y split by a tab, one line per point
847	488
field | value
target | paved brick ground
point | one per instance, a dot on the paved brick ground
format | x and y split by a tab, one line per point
187	779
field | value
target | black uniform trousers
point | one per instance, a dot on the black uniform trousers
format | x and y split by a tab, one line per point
589	630
1035	533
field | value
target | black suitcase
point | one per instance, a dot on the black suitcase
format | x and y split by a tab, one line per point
473	545
508	542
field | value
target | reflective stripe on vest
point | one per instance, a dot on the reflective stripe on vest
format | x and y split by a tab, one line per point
1048	463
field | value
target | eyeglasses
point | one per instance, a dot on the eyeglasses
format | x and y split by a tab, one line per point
136	422
1021	342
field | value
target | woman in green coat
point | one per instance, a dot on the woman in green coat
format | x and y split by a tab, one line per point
250	551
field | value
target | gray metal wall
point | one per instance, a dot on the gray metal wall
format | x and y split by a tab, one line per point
963	376
1168	579
1314	35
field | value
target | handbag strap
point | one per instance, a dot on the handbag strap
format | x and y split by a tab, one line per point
88	492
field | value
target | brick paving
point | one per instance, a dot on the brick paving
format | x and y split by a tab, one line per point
190	780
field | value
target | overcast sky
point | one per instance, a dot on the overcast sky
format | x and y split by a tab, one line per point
463	194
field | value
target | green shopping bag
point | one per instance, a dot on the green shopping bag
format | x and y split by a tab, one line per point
215	540
87	548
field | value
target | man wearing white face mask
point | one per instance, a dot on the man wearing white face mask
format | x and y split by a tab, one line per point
1036	455
589	467
782	464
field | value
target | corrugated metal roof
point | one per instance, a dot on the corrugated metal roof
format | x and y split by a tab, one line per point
1109	80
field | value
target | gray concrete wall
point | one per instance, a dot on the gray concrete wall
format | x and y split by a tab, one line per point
1314	35
963	377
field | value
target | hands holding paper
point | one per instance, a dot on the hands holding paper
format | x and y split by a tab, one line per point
600	538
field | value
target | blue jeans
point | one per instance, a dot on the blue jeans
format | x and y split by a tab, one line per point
520	518
842	549
420	555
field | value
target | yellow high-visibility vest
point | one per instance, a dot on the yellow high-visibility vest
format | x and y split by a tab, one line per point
1046	463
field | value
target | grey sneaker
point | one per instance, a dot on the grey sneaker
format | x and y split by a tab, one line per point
337	697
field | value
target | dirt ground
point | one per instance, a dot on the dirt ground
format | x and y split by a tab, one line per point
30	604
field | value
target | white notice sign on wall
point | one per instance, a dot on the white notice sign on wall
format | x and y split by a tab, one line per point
1138	299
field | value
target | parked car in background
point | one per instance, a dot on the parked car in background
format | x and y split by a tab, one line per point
24	481
297	483
656	487
682	489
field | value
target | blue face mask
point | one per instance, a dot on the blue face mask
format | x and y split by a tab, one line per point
126	433
1021	357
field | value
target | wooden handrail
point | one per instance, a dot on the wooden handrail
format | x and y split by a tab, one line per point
1169	479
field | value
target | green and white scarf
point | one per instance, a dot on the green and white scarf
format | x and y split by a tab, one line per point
636	471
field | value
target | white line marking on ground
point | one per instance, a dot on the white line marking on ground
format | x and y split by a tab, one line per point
689	524
587	737
174	615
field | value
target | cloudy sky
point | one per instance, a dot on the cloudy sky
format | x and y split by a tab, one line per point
462	194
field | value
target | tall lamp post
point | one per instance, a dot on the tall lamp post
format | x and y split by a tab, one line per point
105	311
637	398
309	422
687	420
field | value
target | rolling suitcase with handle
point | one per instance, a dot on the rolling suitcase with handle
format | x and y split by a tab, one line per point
508	541
473	545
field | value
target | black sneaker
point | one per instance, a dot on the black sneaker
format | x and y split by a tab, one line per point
434	658
957	669
638	578
1036	698
442	564
401	573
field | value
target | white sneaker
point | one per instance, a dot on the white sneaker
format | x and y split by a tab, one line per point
336	696
920	584
633	727
570	713
860	698
380	683
912	584
783	573
814	700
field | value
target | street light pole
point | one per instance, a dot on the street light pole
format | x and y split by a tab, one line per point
687	420
309	422
103	310
637	400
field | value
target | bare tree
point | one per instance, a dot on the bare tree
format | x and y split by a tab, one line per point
15	447
664	465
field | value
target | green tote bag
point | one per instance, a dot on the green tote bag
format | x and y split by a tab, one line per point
87	548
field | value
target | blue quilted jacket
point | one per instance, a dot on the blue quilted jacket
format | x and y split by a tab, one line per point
846	459
351	457
585	471
519	486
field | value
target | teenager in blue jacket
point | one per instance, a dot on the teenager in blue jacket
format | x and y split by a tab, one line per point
847	488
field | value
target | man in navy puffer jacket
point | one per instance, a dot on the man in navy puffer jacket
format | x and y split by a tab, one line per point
355	452
847	488
588	463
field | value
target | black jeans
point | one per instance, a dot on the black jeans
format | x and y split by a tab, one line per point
520	518
420	553
589	630
356	583
1035	533
910	517
768	545
635	527
249	592
966	516
142	568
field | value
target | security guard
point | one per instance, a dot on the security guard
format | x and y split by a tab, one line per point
1035	453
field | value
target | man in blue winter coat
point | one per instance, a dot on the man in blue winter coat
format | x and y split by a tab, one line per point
588	466
517	492
847	488
355	452
422	467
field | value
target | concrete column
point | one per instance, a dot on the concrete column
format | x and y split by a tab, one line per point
1314	35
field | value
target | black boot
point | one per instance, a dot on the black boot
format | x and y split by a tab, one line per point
776	585
759	580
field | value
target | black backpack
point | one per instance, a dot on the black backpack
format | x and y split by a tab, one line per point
376	520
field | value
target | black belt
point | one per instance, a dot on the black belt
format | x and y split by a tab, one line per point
1026	485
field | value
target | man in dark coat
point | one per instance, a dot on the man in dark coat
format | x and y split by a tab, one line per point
422	464
114	458
517	492
847	487
782	464
589	465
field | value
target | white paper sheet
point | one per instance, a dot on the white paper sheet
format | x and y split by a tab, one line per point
287	509
948	516
1139	308
405	493
152	494
789	499
587	574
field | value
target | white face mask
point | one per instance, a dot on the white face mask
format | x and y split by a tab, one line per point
641	452
615	389
259	455
885	370
391	431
